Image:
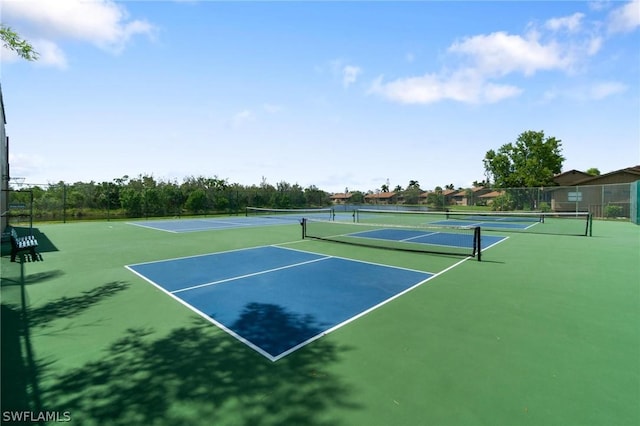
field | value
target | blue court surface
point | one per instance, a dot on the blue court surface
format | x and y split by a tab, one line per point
444	239
275	299
205	224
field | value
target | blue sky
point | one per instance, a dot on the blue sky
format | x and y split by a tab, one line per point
332	94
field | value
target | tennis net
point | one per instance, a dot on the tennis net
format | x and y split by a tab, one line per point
290	214
448	240
574	223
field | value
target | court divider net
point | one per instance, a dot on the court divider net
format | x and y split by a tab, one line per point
557	223
293	214
446	240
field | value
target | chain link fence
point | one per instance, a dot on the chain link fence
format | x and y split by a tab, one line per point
62	202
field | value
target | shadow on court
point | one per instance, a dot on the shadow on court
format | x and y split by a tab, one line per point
20	369
199	375
273	328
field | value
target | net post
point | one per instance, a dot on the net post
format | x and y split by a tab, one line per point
477	242
589	225
303	223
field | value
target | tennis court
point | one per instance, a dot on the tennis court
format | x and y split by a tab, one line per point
274	299
238	321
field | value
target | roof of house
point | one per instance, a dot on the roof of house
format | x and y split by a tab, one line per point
491	194
381	195
571	172
634	170
341	196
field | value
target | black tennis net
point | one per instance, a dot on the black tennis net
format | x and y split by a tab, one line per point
290	214
448	240
557	223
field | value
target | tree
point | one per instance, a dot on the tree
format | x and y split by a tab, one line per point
413	184
531	161
593	171
12	41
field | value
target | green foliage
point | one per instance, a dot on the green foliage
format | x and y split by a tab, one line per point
613	211
197	201
503	202
593	171
436	199
531	161
12	41
412	195
145	197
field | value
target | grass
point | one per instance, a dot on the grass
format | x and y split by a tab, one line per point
544	331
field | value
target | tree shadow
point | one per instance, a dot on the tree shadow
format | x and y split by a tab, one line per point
68	307
200	375
20	370
273	329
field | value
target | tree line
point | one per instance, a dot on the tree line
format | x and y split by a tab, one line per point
530	162
144	196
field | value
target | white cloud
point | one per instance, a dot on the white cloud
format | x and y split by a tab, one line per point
272	108
625	18
49	54
606	89
500	53
571	23
561	44
24	165
102	23
349	74
594	92
242	118
465	86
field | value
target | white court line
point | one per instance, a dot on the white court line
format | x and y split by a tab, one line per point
313	338
239	277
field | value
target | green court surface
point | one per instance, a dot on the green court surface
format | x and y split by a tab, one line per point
544	331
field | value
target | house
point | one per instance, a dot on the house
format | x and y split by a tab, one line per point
473	195
628	175
570	177
595	194
488	197
343	198
381	198
455	197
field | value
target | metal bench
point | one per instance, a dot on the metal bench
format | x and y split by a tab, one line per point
19	244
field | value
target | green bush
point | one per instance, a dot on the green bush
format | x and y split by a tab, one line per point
544	207
613	211
503	203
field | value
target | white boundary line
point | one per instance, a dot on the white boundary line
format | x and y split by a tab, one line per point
253	274
207	317
306	342
366	311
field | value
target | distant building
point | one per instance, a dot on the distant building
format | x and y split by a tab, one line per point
381	198
341	198
583	192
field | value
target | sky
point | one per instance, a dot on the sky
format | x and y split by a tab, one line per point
337	95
